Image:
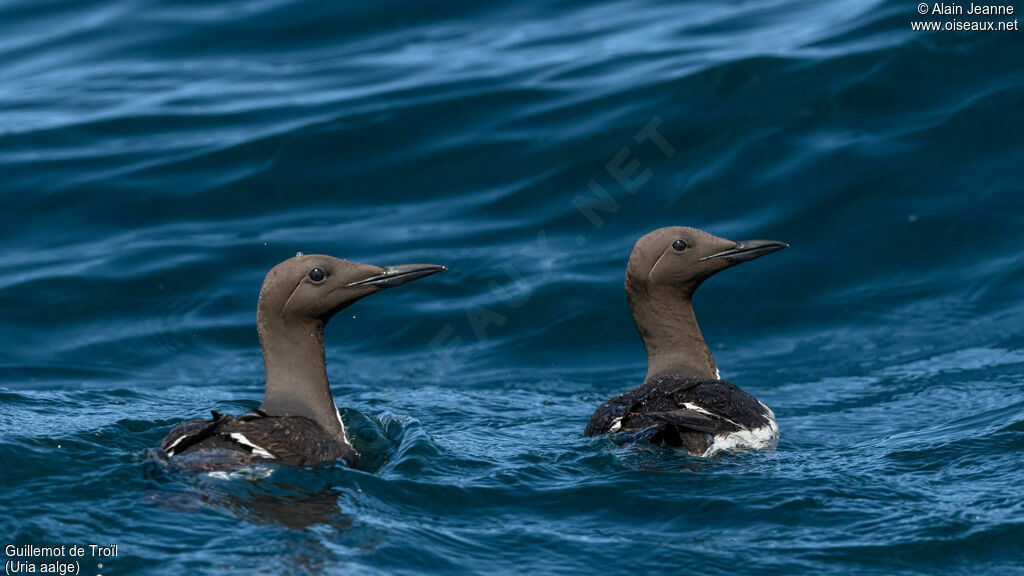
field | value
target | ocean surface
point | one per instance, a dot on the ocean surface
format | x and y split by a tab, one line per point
157	158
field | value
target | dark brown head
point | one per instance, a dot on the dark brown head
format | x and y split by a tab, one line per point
298	298
316	287
678	259
665	268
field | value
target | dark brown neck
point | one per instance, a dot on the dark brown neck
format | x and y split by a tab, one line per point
671	336
293	359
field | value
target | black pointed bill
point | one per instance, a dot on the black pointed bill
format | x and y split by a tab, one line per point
398	275
748	250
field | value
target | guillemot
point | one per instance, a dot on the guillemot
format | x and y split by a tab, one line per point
683	401
298	422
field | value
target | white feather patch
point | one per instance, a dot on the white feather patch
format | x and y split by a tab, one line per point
744	439
766	436
170	449
256	450
616	425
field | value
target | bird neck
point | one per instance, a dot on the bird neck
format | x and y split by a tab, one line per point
674	344
293	359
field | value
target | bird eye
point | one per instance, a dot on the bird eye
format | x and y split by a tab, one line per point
317	274
679	245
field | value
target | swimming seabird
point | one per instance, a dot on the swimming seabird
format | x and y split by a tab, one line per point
683	402
298	423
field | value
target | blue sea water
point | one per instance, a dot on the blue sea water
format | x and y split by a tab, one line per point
157	158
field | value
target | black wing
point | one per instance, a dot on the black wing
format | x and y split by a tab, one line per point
689	419
189	433
725	400
635	409
294	440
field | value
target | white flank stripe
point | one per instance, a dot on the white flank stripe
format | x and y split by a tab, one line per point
256	450
344	437
695	408
170	449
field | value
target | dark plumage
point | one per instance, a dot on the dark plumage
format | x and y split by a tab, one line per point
257	437
683	402
664	407
298	423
